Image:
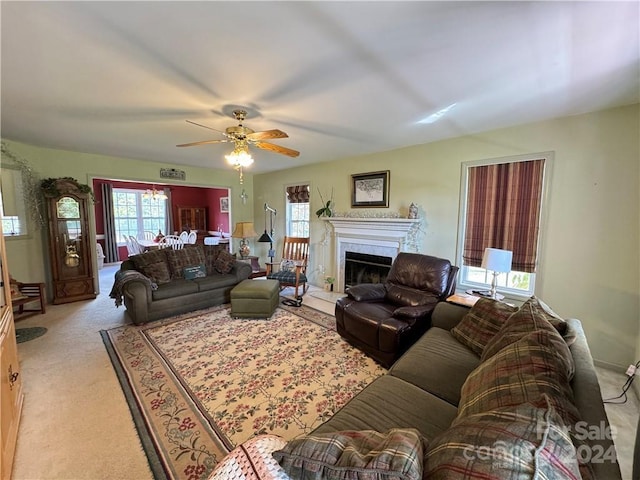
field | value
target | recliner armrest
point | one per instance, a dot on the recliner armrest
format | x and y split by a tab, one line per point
413	312
367	292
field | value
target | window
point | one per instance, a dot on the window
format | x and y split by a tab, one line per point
297	211
134	214
12	203
502	208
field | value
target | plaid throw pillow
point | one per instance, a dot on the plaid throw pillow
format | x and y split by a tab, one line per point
521	372
481	324
529	318
516	443
225	262
153	265
394	455
185	257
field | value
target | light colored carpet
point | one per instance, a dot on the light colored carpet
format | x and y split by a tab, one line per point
76	423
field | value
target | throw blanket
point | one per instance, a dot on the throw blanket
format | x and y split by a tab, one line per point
124	276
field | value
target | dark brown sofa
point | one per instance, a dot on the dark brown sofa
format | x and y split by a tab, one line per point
384	320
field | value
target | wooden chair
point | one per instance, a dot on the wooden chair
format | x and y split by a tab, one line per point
293	267
192	237
184	236
27	294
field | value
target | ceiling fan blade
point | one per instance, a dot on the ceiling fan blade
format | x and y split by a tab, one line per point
277	149
204	126
203	142
267	135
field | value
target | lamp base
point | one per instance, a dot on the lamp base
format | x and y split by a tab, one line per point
245	250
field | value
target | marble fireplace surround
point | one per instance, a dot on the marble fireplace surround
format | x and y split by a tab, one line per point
375	236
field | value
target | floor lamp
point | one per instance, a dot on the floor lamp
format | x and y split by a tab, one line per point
268	237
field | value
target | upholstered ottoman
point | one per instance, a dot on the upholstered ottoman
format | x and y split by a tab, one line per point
255	298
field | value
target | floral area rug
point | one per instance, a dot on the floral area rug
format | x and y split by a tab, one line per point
201	383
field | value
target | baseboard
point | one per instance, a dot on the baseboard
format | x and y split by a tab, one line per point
610	366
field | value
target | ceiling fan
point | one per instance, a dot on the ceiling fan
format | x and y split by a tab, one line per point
243	136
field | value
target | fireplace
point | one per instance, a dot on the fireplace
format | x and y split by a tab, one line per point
383	237
365	268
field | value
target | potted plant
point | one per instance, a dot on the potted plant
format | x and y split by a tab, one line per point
328	283
326	210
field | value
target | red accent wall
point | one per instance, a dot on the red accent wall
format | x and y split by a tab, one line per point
180	196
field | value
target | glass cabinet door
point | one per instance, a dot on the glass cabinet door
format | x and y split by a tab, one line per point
69	225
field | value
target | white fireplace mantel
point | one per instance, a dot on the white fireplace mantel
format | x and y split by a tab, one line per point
377	236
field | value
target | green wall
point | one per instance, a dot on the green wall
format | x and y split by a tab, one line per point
28	256
590	267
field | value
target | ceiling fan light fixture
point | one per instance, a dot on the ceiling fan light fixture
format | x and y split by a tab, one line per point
240	157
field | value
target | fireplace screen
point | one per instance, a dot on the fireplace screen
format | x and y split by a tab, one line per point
365	268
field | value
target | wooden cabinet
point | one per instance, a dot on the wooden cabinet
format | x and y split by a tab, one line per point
69	243
193	218
11	396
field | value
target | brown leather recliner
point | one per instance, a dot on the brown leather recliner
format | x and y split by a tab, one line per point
385	319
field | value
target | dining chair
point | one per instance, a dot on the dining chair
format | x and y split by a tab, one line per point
135	246
171	241
184	236
192	237
148	235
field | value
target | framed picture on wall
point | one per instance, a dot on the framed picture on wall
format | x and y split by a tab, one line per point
224	204
370	189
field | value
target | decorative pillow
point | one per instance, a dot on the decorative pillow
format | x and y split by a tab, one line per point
153	264
350	455
252	460
530	317
519	442
185	257
521	372
481	324
287	266
225	262
211	253
195	271
16	294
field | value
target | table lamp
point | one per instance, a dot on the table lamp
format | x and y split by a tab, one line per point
244	230
498	261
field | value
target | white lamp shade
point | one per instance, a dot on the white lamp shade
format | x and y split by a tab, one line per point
497	260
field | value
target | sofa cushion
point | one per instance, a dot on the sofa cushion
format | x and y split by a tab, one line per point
481	324
437	363
389	402
531	317
521	372
175	288
153	264
517	442
394	455
185	257
215	281
225	262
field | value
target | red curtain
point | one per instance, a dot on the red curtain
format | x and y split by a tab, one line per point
503	211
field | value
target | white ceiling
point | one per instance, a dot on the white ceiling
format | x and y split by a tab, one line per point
341	78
